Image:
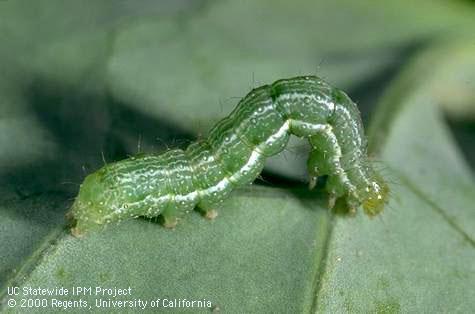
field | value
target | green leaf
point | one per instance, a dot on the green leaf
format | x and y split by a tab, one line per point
234	262
100	81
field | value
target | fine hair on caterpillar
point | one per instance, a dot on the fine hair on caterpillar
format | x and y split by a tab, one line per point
202	175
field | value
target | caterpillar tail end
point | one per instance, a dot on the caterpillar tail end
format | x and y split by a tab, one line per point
80	223
87	212
80	227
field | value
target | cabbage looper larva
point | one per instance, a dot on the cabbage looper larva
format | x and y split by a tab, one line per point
233	155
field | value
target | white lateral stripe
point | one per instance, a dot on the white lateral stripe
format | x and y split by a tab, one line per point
274	137
253	159
336	160
221	185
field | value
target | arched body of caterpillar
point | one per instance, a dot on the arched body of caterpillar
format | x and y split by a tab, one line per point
203	175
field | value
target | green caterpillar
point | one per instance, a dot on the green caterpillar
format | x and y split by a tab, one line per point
205	173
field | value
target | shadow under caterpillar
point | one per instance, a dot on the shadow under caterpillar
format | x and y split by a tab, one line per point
203	175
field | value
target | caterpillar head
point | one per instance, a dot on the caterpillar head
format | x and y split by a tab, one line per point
375	196
88	210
